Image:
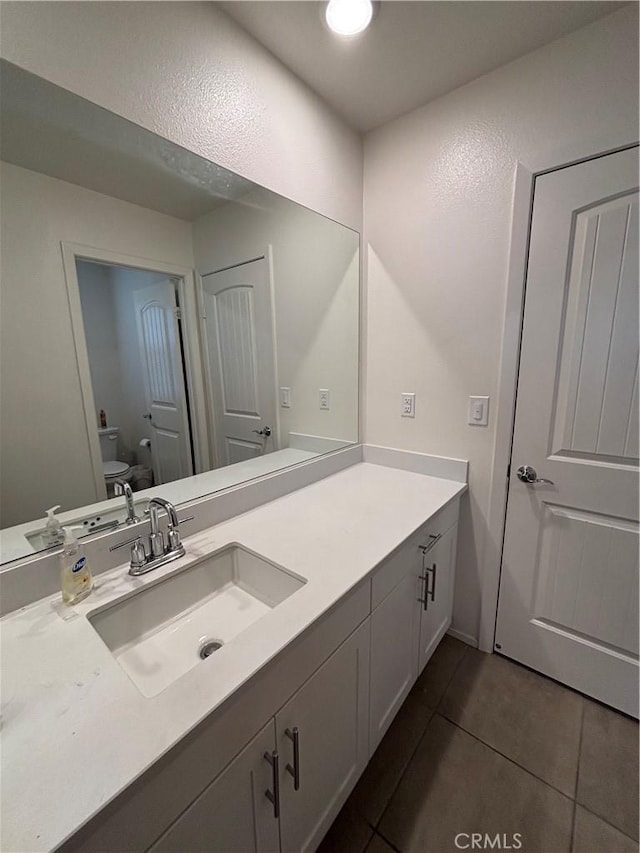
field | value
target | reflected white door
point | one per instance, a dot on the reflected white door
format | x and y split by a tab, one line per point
568	602
241	362
165	406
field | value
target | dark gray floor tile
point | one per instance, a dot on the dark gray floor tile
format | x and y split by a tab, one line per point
380	779
593	835
456	784
608	776
437	674
523	715
349	833
379	845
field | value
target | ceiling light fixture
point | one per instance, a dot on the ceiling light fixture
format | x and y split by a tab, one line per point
349	17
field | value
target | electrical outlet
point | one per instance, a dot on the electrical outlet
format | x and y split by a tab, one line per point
408	408
285	398
325	399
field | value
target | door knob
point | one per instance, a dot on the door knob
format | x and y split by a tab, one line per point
528	474
265	431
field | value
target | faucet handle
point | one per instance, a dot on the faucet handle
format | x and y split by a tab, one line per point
138	553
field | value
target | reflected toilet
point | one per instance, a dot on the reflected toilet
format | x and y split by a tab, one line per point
114	469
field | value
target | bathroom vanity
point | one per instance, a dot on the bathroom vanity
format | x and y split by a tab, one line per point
257	746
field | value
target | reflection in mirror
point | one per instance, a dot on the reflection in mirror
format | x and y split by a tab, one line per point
165	323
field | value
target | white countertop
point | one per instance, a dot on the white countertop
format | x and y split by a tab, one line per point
75	729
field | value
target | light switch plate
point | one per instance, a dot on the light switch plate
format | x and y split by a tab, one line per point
408	405
478	414
285	398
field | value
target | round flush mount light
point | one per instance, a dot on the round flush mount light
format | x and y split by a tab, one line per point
349	17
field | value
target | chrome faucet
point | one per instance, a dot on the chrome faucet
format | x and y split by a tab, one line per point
131	518
158	554
156	539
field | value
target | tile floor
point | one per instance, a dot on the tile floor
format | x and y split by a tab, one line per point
485	745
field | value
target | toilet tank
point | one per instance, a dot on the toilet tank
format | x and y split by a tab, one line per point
109	443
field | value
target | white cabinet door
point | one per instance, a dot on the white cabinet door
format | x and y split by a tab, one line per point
233	814
437	593
330	717
395	624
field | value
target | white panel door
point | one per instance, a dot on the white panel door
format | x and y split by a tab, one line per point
568	602
330	717
162	368
241	361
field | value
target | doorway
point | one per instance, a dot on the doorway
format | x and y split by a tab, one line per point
568	600
134	365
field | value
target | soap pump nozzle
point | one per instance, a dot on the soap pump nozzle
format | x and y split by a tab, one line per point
53	533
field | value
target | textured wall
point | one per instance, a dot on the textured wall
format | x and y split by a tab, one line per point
44	446
438	195
188	72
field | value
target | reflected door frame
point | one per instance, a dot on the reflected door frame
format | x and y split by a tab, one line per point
522	206
72	252
229	262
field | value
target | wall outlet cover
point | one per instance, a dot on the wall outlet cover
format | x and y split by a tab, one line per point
408	405
324	398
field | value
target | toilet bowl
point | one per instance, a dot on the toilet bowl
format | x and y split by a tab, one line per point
113	468
115	471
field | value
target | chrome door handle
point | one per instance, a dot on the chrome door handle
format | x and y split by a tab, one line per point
294	735
528	474
265	431
274	796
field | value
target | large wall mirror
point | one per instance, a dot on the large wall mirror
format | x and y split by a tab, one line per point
165	323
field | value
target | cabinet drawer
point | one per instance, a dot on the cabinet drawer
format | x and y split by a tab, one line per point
406	557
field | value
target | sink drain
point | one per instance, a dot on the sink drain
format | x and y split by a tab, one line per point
209	647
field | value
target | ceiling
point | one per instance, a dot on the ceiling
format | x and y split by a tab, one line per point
413	51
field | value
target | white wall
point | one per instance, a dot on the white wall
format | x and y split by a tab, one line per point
188	72
42	412
98	316
315	282
438	200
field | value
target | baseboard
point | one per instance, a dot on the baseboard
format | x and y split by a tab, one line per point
464	638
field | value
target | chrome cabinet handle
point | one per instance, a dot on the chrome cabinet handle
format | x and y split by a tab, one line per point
434	538
432	591
424	601
294	735
265	431
274	796
528	474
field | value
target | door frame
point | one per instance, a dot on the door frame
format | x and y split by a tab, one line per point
228	262
71	252
523	198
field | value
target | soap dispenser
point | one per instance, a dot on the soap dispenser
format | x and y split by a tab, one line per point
53	533
75	574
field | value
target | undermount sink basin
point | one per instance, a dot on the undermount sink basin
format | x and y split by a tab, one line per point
165	629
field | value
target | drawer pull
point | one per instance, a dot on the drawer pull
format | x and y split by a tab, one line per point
434	539
294	735
274	796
